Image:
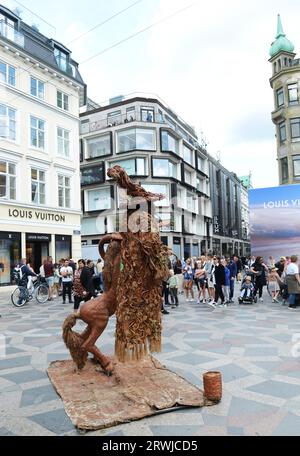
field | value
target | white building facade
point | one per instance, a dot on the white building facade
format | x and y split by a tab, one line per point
41	91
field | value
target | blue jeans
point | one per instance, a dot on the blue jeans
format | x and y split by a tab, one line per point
231	289
292	299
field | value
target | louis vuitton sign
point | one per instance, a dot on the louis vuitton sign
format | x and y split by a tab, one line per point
36	215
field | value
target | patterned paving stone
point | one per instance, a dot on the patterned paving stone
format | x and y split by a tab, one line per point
277	389
56	421
14	362
38	395
247	344
5	432
231	372
290	426
25	376
191	359
174	430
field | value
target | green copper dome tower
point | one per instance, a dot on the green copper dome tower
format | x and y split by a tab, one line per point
282	44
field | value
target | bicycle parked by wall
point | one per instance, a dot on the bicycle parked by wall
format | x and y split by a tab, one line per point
21	295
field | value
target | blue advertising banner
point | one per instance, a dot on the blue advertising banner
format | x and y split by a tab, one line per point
275	221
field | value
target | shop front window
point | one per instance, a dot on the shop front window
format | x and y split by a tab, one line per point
10	254
63	247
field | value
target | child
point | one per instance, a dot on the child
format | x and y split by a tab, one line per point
173	288
274	281
200	276
247	289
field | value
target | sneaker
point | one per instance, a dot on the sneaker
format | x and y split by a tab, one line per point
212	304
261	300
292	307
198	302
173	307
165	312
64	302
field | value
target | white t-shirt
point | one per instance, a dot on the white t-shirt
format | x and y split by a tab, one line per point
66	270
292	269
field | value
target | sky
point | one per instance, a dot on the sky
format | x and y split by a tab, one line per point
209	63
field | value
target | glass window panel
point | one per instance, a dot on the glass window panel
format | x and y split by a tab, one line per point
141	166
161	167
169	143
2	185
99	199
3	167
145	139
188	155
66	102
11	168
293	93
96	147
126	140
2	72
188	177
158	188
34	194
41	89
280	97
33	88
59	99
11	76
296	161
295	128
42	176
34	174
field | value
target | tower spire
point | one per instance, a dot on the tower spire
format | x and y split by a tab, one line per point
280	31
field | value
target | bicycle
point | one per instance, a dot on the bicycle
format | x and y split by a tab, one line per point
21	295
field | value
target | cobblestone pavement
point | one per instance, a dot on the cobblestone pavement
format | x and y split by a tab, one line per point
255	348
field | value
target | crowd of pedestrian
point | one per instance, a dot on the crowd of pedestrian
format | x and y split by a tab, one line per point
212	279
73	281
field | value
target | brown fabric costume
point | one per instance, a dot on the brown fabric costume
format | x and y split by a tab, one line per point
135	265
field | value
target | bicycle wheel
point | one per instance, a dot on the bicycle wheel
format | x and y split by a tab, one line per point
42	293
19	296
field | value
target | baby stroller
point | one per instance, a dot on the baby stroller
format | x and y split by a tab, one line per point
248	298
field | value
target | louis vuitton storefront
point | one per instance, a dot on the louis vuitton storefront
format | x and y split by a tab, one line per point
35	234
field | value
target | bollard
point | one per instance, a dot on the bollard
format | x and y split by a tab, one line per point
212	382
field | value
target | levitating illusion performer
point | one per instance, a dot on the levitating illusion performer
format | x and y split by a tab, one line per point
135	266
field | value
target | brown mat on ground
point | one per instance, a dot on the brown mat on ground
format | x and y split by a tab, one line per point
135	390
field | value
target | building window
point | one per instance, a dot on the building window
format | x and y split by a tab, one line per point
93	175
200	163
98	146
98	200
61	59
284	170
7	180
296	164
164	168
188	155
136	139
37	132
37	88
62	100
64	191
130	114
190	202
147	115
282	132
295	128
169	143
293	94
63	142
132	166
7	122
7	74
187	177
10	254
114	118
280	97
38	186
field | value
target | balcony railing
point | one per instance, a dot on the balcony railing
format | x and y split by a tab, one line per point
10	33
113	121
